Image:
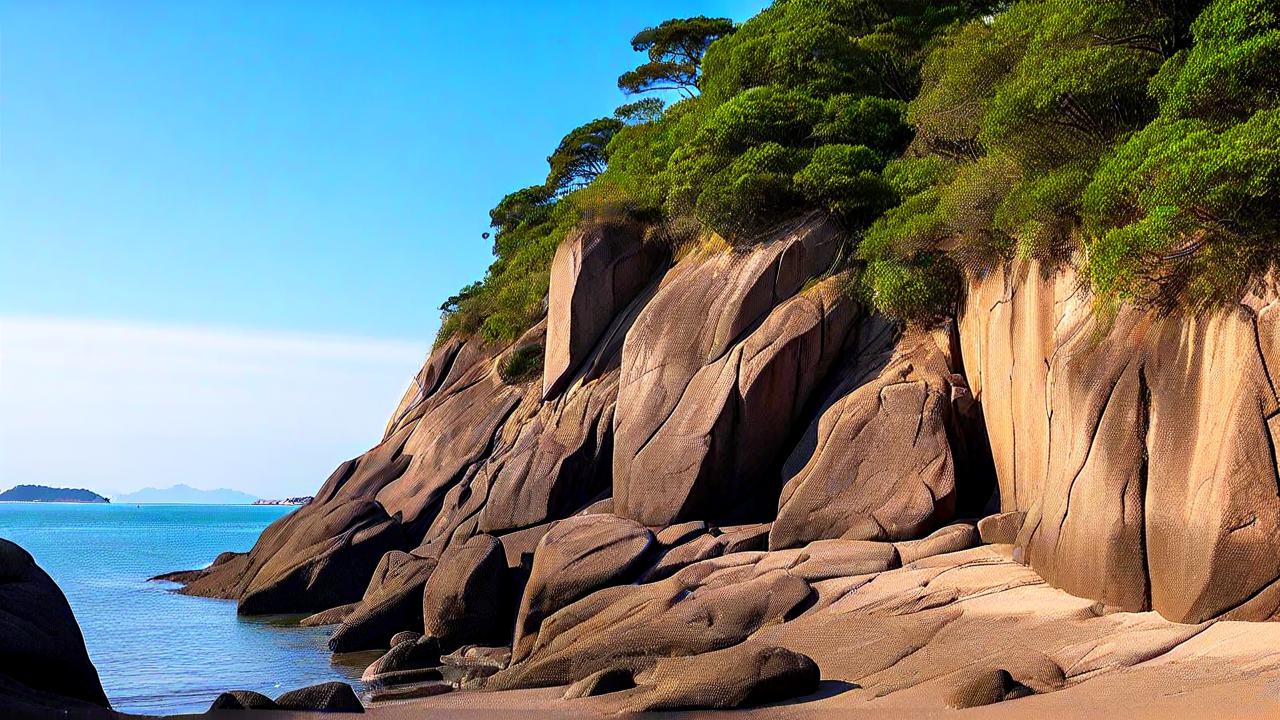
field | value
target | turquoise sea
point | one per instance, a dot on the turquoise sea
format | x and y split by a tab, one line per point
158	652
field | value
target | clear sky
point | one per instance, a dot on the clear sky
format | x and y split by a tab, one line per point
225	227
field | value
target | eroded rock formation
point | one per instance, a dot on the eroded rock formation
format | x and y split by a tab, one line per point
728	461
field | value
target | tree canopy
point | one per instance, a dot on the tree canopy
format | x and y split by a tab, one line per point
675	49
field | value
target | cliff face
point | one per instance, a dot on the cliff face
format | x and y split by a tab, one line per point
709	389
1141	449
725	446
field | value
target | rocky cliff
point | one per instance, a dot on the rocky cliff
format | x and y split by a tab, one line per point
725	450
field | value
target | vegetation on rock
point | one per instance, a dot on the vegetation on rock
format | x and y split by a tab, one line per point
944	137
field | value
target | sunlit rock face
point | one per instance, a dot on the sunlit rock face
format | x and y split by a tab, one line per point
1141	447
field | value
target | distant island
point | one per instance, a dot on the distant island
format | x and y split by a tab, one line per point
186	495
40	493
303	500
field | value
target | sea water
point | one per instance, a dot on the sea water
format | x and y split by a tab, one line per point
156	651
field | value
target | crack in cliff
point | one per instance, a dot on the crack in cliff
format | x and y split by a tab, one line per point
1144	468
1093	442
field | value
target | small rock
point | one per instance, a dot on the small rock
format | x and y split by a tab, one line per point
952	538
332	616
681	533
326	697
242	700
1001	528
743	538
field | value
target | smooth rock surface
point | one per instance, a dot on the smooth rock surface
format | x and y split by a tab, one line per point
43	660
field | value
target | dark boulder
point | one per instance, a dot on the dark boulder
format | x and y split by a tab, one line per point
42	652
243	700
336	697
392	603
988	688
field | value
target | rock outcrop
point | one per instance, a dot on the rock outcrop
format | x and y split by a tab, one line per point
1141	448
729	460
44	665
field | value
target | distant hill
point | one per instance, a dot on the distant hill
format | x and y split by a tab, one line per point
40	493
186	495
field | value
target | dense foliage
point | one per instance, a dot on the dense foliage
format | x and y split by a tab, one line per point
943	136
1142	131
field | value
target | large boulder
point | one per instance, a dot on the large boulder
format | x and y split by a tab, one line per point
43	661
466	599
727	351
576	557
877	461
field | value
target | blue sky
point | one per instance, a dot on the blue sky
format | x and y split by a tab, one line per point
258	173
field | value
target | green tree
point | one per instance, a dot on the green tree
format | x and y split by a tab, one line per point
641	111
582	155
675	49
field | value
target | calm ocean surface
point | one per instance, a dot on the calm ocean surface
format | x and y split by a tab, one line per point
158	652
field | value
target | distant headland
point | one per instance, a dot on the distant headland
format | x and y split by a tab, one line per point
40	493
186	495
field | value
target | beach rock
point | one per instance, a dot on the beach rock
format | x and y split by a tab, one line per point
707	606
601	683
335	697
405	636
744	538
243	700
740	676
408	654
680	533
1001	528
392	603
577	556
988	688
702	547
466	599
596	273
726	351
42	653
877	462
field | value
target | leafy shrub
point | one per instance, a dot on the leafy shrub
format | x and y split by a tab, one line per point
521	364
